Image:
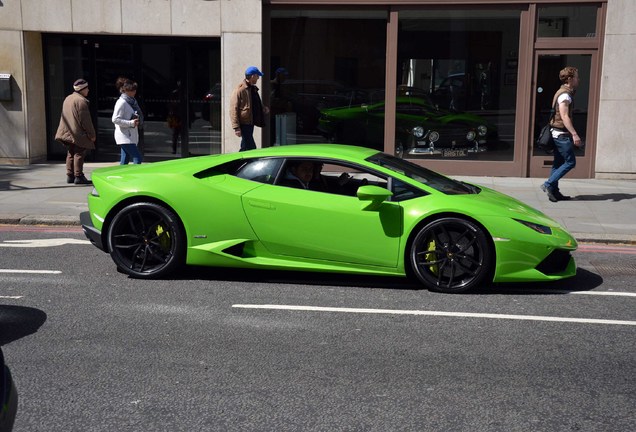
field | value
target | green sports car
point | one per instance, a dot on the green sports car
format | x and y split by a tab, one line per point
320	207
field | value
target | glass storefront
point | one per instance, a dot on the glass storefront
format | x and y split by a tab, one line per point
436	85
178	90
332	88
457	81
567	21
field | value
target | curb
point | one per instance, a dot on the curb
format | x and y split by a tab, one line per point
39	220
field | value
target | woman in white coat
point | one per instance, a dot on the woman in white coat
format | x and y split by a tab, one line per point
127	118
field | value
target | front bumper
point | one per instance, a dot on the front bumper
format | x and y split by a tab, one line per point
91	233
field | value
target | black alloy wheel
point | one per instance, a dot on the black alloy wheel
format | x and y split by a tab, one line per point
451	255
146	240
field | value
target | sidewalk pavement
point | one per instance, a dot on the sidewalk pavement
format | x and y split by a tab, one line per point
601	211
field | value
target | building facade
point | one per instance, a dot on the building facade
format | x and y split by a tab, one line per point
460	86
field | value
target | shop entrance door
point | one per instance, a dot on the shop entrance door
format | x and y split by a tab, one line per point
545	84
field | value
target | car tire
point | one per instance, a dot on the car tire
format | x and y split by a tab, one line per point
146	241
451	255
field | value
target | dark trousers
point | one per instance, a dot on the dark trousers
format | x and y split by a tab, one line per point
247	138
75	160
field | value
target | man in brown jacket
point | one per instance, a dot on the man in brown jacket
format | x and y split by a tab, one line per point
246	108
76	132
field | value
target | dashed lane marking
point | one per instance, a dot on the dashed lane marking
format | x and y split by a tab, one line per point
30	271
604	293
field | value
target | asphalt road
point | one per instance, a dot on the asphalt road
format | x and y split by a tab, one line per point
219	350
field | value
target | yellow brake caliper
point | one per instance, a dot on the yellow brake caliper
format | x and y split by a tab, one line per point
431	247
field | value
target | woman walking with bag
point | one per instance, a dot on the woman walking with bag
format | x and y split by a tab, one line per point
127	118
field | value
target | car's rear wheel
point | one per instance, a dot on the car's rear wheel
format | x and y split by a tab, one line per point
451	255
146	240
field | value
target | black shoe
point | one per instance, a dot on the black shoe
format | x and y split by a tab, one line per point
549	192
560	196
70	178
82	180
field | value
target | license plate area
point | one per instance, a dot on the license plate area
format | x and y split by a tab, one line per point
451	153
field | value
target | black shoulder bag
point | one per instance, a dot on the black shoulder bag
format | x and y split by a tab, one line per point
544	139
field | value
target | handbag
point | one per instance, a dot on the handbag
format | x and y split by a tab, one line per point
544	140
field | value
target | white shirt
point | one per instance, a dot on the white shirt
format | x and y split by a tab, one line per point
563	97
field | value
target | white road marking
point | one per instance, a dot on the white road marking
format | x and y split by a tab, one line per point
42	242
11	297
436	313
31	271
603	293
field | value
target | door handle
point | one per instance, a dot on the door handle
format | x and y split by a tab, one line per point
261	204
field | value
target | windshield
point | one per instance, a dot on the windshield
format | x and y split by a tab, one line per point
422	175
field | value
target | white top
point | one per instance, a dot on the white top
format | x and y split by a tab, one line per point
563	97
125	130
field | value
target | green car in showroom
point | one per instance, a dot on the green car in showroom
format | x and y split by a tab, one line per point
422	129
324	208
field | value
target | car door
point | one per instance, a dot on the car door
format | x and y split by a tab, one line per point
326	226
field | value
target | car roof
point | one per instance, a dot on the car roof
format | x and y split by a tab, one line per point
314	150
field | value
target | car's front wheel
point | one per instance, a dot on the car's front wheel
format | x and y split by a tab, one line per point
451	255
146	240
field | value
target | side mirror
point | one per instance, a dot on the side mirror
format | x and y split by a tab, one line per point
372	197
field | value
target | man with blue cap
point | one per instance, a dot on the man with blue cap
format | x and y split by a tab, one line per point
246	108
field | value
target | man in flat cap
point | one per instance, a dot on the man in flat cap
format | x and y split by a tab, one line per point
76	132
246	108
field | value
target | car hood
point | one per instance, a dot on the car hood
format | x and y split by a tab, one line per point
493	203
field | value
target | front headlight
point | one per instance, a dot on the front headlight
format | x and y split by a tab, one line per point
470	136
433	136
541	229
418	132
483	130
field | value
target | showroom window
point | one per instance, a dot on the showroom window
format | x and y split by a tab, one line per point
179	90
331	76
457	84
567	21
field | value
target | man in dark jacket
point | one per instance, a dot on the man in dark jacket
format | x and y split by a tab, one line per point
76	132
246	108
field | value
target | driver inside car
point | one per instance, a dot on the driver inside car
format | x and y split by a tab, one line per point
304	175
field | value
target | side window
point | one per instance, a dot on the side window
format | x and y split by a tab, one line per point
260	170
345	179
402	191
327	176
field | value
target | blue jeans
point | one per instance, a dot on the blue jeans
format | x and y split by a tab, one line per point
128	152
564	161
247	137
